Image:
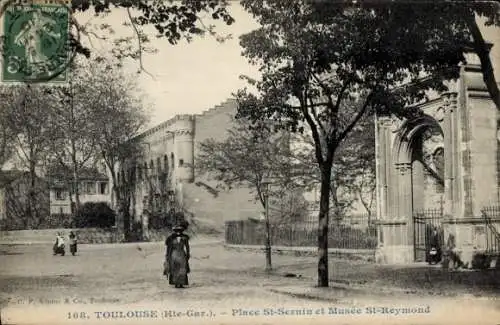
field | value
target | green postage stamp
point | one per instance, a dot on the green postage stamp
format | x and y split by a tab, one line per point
36	43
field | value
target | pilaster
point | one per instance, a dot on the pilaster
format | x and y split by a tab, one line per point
451	154
383	162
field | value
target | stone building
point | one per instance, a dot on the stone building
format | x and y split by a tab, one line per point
93	187
441	169
165	177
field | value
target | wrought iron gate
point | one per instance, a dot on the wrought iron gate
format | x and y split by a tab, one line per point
424	222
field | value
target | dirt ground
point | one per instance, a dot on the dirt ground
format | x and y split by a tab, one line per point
222	283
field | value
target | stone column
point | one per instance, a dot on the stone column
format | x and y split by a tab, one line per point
450	153
397	228
405	206
382	162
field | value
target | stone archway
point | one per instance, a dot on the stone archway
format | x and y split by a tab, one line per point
421	151
455	139
416	170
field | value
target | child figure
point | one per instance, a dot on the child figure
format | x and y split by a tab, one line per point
72	243
59	245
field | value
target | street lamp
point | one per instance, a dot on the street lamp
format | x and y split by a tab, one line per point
265	189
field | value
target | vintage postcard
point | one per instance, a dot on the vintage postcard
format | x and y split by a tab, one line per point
249	162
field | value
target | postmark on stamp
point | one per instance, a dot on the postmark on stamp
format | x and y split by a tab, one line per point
36	45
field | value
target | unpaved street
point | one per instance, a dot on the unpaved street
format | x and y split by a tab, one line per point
123	283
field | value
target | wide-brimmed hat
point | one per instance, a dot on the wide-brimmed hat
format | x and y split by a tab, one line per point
178	228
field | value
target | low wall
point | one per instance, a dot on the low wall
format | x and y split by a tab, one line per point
85	236
352	254
42	236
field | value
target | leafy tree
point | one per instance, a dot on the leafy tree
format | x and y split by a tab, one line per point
6	134
248	157
427	20
74	143
288	207
353	176
16	185
354	165
176	20
172	20
253	157
30	115
329	66
117	118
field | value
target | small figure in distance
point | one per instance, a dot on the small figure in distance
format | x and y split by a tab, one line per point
72	243
59	245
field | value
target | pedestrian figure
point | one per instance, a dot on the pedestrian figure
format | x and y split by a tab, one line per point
454	254
177	257
72	243
59	245
434	253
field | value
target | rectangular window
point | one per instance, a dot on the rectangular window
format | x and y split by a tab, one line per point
60	195
90	188
103	188
181	162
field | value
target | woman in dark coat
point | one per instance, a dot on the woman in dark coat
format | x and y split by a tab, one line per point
177	257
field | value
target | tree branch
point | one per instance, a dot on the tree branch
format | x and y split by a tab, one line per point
314	131
139	42
356	119
484	56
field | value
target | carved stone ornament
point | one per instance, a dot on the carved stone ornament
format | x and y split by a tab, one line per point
396	124
440	113
384	121
403	168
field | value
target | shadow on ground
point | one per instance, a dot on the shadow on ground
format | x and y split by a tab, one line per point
431	280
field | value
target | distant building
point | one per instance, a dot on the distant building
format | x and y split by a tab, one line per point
166	175
93	187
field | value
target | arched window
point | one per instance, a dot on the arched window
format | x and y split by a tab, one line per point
172	160
165	163
158	165
145	169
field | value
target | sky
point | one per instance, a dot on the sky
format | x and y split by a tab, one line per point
188	78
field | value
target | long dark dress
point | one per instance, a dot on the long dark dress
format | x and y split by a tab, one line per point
178	254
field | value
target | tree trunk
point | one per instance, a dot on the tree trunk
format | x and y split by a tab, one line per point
122	219
76	175
31	195
324	206
76	178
